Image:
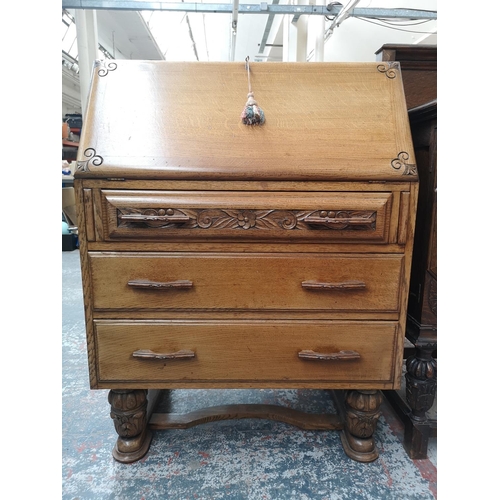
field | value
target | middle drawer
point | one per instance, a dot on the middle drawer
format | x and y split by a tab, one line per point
246	281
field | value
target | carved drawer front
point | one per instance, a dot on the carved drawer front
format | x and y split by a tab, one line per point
180	351
174	215
246	281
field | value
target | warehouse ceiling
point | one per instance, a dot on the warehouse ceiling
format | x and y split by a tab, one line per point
214	31
276	30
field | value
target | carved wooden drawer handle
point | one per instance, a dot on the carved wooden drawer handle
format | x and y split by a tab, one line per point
148	354
345	285
175	218
332	356
158	285
333	222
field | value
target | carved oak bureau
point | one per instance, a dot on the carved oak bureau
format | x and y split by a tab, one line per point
217	254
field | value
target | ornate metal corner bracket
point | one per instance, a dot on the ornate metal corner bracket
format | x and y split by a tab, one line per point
401	161
106	67
83	165
390	69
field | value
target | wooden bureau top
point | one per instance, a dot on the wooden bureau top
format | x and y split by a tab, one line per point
170	120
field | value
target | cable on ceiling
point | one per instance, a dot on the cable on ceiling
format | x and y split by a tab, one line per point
403	23
385	25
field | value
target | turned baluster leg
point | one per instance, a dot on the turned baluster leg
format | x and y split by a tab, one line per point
361	417
129	414
421	383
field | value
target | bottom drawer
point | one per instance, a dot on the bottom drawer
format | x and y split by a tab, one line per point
244	351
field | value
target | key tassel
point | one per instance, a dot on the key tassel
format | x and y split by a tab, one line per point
251	114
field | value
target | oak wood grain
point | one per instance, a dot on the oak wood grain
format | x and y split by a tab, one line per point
257	351
324	121
306	421
246	281
175	215
89	214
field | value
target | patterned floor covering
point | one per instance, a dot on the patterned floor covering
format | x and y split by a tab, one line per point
232	459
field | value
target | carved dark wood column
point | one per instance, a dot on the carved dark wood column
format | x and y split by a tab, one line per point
361	417
129	414
421	381
421	384
419	70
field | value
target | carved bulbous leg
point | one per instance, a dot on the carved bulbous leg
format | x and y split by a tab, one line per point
129	414
421	383
361	417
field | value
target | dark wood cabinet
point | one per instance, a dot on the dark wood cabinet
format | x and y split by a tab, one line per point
418	66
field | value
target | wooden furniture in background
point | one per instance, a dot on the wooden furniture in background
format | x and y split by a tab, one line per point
220	255
419	68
